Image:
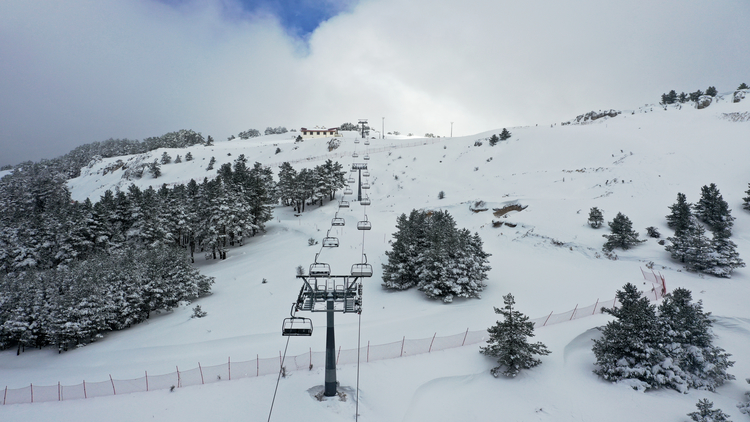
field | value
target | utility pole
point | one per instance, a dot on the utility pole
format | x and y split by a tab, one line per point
330	378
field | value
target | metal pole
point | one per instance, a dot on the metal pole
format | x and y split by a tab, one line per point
330	383
359	189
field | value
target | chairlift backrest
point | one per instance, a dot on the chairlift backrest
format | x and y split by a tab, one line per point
367	157
361	270
365	185
297	326
367	142
364	225
366	173
344	204
330	242
338	221
365	201
320	269
348	191
355	155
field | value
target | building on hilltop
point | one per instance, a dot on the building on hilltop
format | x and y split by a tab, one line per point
319	132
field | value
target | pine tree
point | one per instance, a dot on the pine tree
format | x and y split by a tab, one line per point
706	413
689	344
745	406
691	247
155	169
165	158
623	236
410	237
694	96
711	91
628	350
509	341
189	156
725	256
683	98
209	141
211	163
178	159
494	140
746	200
595	218
713	210
743	86
679	219
505	135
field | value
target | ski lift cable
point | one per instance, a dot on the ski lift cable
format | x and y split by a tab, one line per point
281	369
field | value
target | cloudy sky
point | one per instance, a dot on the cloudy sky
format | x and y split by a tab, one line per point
79	71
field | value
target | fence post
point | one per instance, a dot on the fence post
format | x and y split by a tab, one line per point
32	392
201	369
85	396
466	334
402	345
574	313
146	380
310	358
597	302
59	392
433	340
114	392
178	376
545	321
338	355
229	367
368	352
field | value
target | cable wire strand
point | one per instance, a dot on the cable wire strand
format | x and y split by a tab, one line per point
281	369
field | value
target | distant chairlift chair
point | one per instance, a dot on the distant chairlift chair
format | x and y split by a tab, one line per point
319	269
364	224
362	269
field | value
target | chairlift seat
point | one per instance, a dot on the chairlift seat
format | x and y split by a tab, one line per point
297	326
355	155
348	191
367	157
365	185
344	204
320	269
338	221
367	142
361	270
365	201
366	173
364	225
356	141
330	242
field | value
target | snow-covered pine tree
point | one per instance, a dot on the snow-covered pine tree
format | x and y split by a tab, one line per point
725	256
211	162
595	218
155	169
189	156
494	140
746	200
713	210
679	218
505	135
165	158
692	247
711	90
706	413
409	240
623	236
509	341
697	363
178	159
745	406
629	348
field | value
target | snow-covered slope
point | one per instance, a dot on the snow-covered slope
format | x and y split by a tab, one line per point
634	163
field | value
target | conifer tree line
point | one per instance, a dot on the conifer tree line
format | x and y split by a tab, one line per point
672	97
71	163
690	245
297	188
671	346
430	253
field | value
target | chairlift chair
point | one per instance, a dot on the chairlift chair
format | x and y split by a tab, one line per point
365	185
296	326
365	201
338	221
366	173
353	170
367	142
356	140
350	180
362	269
344	204
319	269
330	242
348	191
364	224
355	155
367	156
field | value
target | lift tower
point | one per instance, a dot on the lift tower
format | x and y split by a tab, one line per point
359	167
362	124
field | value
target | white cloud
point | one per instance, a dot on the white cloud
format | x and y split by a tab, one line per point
84	71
